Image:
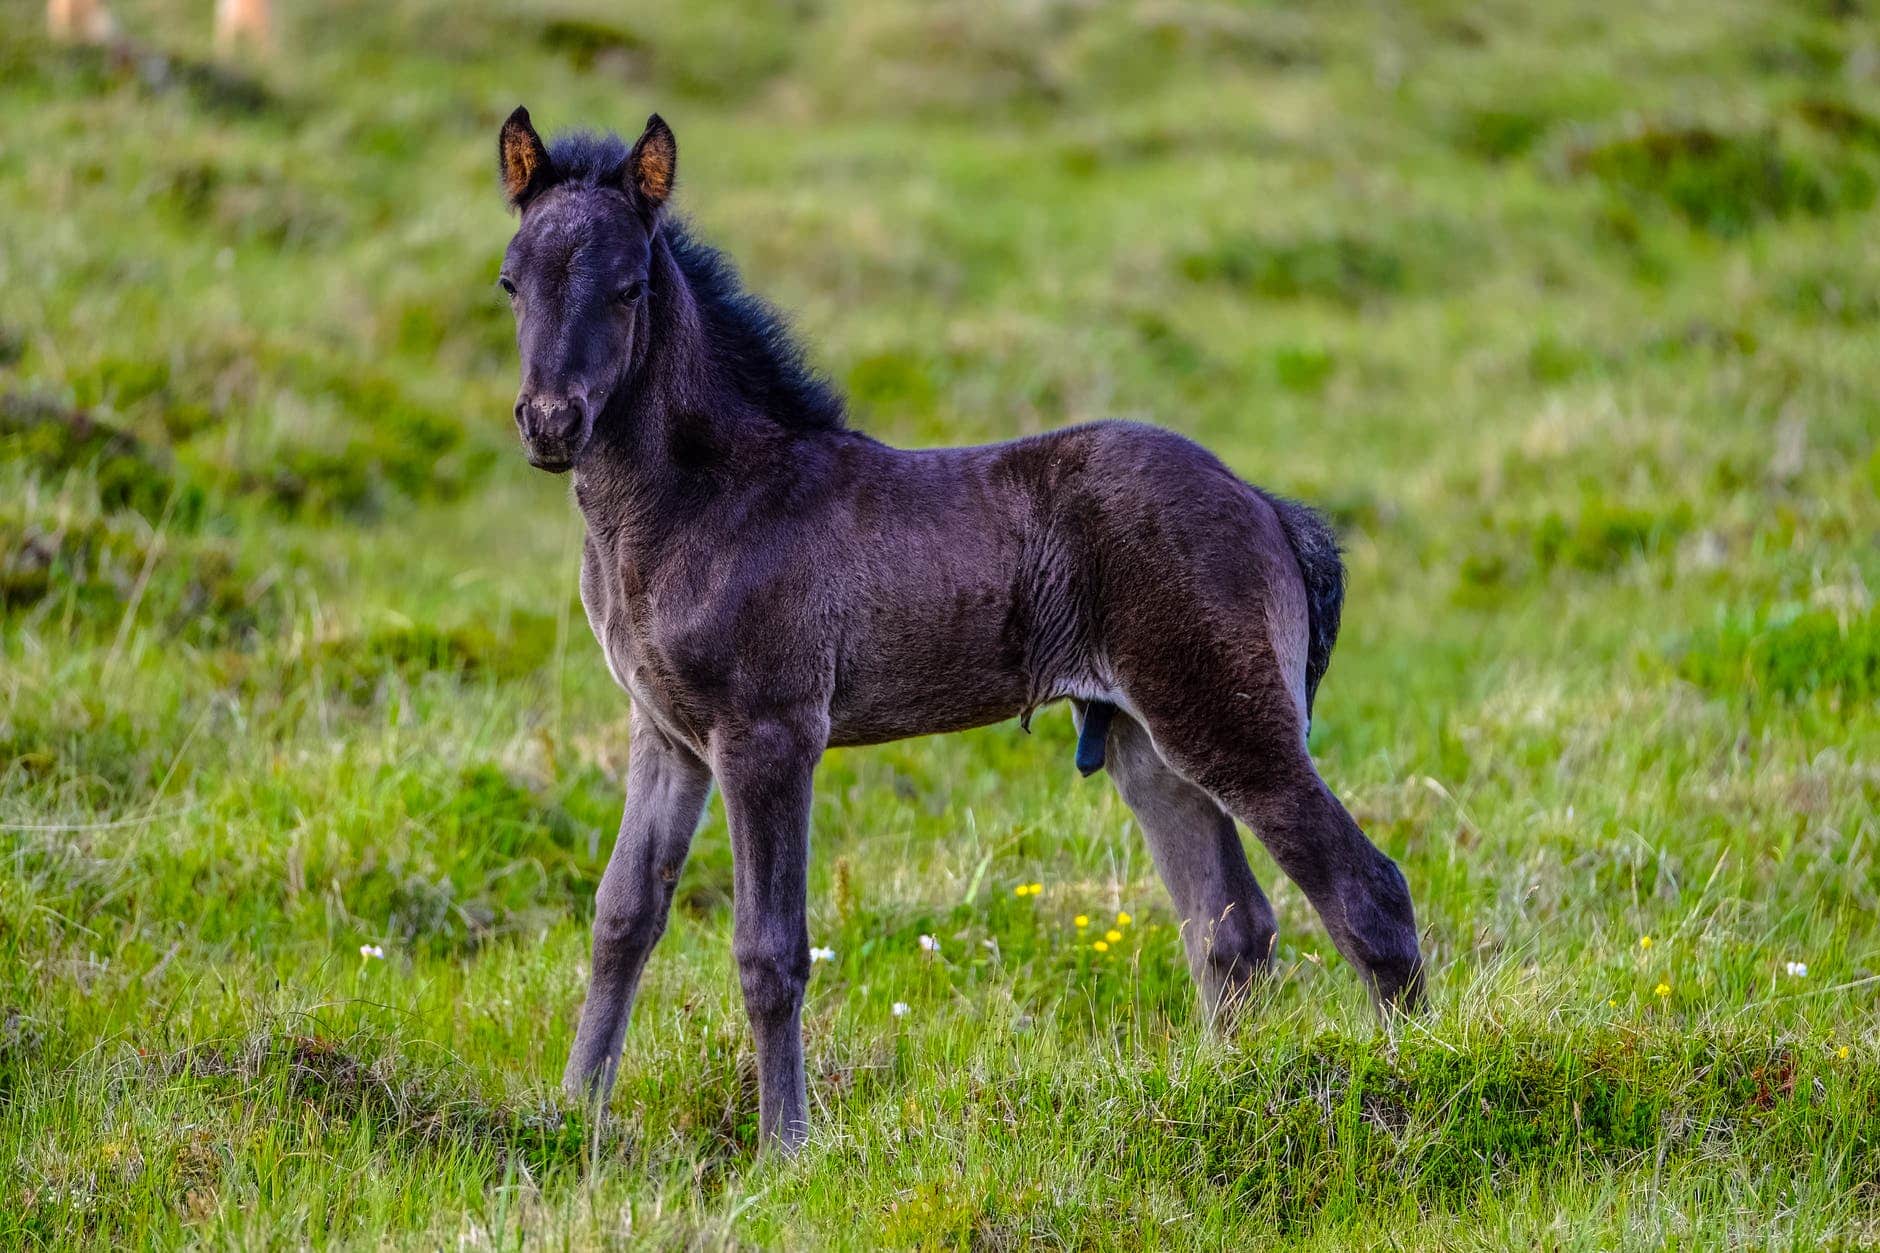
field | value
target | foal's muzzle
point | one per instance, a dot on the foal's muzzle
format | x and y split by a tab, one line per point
554	429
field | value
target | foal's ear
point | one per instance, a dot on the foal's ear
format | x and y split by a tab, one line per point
522	159
653	163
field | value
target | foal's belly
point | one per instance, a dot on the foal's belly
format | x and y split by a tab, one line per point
941	667
938	622
898	712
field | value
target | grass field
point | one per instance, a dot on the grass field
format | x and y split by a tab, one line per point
1566	314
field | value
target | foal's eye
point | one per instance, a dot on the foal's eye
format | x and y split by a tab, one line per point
509	288
631	292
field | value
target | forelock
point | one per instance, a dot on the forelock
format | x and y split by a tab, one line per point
589	158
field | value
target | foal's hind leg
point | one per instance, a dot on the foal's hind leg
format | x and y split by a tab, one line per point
1208	642
1358	891
1249	753
1227	924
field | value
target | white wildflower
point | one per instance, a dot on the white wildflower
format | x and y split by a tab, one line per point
899	1009
822	954
1798	969
370	951
929	945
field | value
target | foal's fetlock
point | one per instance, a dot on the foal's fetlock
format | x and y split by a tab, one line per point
589	1087
1385	953
1377	933
1231	997
786	1141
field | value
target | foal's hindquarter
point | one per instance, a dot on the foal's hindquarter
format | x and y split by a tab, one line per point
934	591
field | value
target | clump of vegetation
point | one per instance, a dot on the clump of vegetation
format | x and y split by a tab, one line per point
194	585
1840	295
56	441
238	204
589	43
358	666
1841	120
489	858
1602	535
1724	182
1597	536
1552	359
1304	368
1789	654
892	382
88	560
1499	132
1342	267
1701	336
210	86
386	447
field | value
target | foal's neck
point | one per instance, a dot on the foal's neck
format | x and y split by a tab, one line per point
681	441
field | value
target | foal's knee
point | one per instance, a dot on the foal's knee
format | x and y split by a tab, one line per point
773	971
626	927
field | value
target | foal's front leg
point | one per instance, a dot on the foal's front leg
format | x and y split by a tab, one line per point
765	771
666	791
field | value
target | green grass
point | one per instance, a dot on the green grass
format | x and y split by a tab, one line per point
1566	314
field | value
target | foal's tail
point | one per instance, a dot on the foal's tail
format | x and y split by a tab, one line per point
1316	549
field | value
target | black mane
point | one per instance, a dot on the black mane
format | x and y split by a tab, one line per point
749	338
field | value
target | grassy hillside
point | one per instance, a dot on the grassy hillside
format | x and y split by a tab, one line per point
1566	314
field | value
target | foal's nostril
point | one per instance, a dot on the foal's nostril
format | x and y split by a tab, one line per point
553	428
574	410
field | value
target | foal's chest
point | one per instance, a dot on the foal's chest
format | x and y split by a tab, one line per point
622	612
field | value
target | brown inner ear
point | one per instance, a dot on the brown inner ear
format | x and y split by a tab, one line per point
521	157
654	171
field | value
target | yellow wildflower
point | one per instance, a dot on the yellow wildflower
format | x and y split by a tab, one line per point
1644	941
1123	920
1037	888
1663	989
1082	920
1112	935
1101	947
1841	1052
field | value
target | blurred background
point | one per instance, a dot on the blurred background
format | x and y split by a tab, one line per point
1565	314
1363	248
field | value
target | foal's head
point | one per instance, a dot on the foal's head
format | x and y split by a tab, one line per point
576	274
